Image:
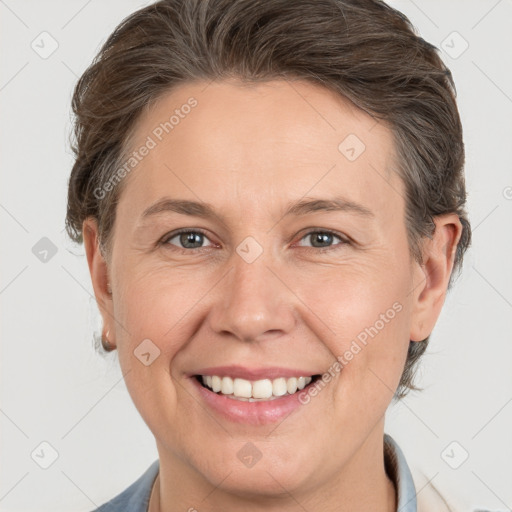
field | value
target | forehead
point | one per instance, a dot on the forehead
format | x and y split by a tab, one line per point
250	146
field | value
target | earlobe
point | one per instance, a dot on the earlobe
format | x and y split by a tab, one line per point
98	268
432	277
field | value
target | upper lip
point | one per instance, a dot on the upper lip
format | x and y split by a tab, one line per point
242	372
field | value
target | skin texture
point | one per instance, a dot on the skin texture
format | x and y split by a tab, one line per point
249	150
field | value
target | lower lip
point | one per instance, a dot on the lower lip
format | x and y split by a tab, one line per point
252	413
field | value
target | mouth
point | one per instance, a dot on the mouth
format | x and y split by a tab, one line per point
262	390
253	396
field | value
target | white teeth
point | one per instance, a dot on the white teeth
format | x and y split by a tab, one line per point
264	389
242	388
216	383
227	386
291	385
279	387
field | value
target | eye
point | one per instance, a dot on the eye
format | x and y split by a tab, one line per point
323	239
187	238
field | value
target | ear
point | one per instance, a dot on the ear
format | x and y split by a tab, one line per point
432	277
99	271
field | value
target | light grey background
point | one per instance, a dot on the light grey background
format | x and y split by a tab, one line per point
56	389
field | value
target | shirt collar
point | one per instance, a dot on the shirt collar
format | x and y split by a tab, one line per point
399	472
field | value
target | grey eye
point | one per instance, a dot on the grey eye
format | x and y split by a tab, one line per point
187	239
321	239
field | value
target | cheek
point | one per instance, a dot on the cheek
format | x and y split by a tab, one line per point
369	313
149	317
154	325
155	304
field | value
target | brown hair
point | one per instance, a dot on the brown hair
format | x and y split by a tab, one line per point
363	50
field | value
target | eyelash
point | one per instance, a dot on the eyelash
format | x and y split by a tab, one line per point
165	240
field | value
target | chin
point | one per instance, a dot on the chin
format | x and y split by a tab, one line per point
263	482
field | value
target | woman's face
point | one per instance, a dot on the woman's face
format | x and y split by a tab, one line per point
260	288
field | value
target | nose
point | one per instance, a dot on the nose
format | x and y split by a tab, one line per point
254	300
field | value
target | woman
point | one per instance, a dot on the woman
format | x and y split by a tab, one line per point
271	198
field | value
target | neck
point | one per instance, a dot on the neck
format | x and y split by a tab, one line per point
176	489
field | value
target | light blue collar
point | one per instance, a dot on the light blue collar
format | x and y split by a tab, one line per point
399	472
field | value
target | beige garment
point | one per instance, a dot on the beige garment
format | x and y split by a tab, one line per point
431	498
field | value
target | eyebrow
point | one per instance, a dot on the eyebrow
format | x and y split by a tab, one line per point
297	208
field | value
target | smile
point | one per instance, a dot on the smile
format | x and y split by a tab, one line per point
258	390
252	396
